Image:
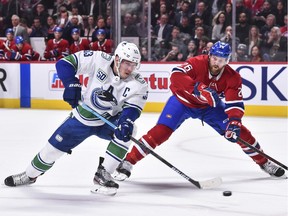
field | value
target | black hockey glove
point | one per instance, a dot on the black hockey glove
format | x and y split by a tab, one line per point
124	129
72	93
233	129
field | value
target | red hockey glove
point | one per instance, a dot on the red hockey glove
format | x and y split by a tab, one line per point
233	129
205	93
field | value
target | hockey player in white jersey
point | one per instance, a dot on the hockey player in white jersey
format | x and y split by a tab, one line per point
116	91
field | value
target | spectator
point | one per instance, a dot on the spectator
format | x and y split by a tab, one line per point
202	45
242	28
284	29
281	11
41	13
56	48
51	27
216	5
275	47
199	33
227	38
89	29
228	14
18	29
109	26
175	39
191	49
22	51
78	43
184	12
219	27
72	4
94	8
75	12
261	18
254	6
102	44
144	53
198	22
163	30
37	29
128	29
203	13
174	54
142	29
185	27
241	8
241	53
270	22
255	54
253	39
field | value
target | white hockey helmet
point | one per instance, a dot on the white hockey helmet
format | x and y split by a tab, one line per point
128	51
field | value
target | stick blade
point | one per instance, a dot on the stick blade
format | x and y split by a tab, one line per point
211	183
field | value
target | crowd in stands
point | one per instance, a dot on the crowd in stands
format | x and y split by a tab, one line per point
179	29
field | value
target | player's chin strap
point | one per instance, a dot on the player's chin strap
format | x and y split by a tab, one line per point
207	184
117	66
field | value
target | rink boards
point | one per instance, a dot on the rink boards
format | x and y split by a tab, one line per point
36	85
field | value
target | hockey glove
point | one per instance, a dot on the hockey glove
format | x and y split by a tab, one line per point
205	93
233	129
12	55
72	93
54	52
124	129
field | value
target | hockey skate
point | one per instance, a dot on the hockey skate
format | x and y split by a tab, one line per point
104	182
19	179
273	170
123	171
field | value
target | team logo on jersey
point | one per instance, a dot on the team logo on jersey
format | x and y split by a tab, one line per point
103	99
101	75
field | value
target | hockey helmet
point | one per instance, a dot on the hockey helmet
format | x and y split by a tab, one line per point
100	32
128	51
58	29
19	40
221	49
9	31
75	31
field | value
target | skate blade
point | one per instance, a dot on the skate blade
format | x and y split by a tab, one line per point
119	176
99	189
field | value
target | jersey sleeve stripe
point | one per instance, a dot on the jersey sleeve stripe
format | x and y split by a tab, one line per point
233	102
126	104
178	69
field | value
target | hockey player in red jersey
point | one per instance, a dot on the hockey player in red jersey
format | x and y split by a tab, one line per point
78	43
196	86
22	51
5	45
56	48
102	44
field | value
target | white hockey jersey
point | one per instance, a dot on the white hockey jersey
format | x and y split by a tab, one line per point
104	93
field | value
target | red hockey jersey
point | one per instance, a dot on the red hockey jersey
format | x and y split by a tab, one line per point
4	44
82	44
227	84
25	54
106	46
56	50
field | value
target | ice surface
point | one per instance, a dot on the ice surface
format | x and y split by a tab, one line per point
153	188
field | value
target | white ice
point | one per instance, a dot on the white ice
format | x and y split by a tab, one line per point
153	188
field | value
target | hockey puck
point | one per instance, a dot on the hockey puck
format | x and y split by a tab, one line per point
227	193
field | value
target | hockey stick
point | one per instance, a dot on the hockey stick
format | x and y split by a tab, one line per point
206	184
261	153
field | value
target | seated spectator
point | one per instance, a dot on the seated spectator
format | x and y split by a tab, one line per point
270	22
162	31
22	51
56	48
89	29
242	28
219	27
51	27
208	47
128	28
202	45
199	23
6	45
284	29
281	11
174	55
255	54
177	40
102	44
253	39
241	53
227	38
275	48
78	43
261	17
37	29
41	13
144	53
191	49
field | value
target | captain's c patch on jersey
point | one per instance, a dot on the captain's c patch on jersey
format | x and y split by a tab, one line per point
101	75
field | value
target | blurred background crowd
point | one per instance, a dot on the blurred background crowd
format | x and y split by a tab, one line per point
179	29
